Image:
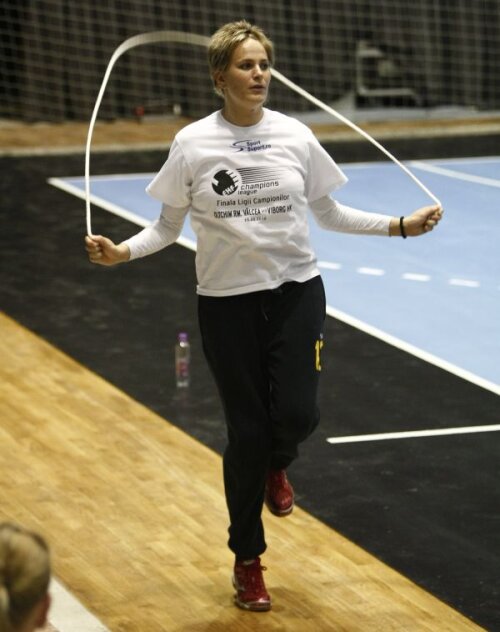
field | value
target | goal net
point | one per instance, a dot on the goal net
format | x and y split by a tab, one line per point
383	54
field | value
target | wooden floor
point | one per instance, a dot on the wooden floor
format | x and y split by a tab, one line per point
135	514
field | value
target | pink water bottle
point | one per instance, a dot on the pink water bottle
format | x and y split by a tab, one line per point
182	357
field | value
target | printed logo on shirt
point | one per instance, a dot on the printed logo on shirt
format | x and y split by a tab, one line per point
225	182
257	198
247	181
250	145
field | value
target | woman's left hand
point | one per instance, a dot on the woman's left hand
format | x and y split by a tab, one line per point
422	220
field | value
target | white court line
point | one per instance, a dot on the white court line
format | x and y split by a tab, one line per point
458	175
383	436
407	276
371	271
113	208
470	160
119	176
415	351
329	265
413	276
464	283
475	160
67	614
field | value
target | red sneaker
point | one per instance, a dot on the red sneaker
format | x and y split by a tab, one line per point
279	496
251	593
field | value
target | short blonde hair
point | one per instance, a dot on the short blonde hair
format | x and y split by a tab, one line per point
227	38
24	574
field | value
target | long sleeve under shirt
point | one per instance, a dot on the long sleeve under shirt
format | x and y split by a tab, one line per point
248	191
329	214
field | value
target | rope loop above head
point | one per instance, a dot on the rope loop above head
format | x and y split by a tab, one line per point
155	37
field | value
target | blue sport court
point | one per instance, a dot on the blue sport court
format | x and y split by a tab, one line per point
436	296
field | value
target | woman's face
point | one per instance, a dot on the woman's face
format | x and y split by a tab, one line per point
245	82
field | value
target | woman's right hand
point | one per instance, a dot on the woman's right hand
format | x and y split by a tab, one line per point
103	251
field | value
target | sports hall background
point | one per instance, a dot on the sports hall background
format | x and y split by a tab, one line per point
423	77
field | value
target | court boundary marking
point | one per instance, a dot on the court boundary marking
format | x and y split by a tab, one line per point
413	350
434	161
458	175
113	208
413	434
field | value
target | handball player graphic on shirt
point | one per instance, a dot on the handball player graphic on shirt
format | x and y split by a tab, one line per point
225	182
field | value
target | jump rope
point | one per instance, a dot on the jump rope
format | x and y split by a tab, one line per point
180	37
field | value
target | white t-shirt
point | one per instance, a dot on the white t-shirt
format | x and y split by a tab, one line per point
248	190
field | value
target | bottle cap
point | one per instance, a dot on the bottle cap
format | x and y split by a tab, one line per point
182	336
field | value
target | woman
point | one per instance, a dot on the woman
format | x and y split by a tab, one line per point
248	176
24	579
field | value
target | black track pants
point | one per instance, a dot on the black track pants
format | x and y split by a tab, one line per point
264	351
